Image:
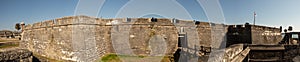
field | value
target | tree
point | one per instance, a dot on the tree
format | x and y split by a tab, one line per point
285	30
18	26
290	28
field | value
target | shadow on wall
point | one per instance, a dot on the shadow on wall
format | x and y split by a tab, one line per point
35	59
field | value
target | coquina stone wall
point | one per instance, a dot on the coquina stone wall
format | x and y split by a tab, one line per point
83	38
265	35
17	55
253	34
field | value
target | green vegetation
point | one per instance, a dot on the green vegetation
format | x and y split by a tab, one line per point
2	40
14	40
9	45
115	58
17	26
140	56
110	58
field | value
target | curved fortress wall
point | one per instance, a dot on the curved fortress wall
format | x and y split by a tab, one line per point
83	38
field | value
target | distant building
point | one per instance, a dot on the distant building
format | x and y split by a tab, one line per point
8	34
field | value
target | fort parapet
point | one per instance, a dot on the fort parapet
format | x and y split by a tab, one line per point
83	38
253	34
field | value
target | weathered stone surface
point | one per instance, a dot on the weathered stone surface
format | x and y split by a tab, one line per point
252	34
83	38
274	53
296	59
143	33
233	51
291	52
265	35
204	33
18	55
241	56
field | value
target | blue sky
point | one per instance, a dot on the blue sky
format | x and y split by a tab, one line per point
269	12
30	11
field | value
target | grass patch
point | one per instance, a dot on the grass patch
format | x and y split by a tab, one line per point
140	56
110	58
9	45
115	58
3	40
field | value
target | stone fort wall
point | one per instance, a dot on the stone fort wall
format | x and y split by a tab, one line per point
83	38
253	34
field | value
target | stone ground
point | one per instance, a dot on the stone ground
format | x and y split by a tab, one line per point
296	59
129	58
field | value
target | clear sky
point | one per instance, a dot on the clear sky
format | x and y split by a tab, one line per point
269	12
